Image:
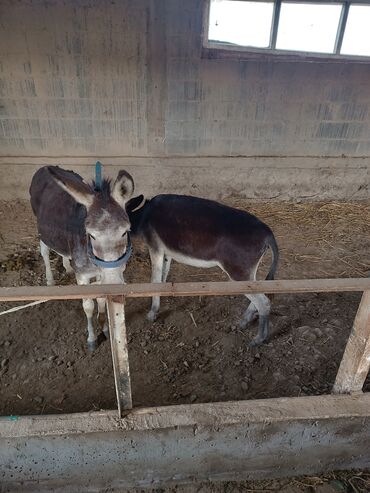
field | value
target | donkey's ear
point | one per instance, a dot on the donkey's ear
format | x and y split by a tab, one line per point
73	184
134	203
123	188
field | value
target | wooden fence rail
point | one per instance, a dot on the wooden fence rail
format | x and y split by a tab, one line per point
223	288
354	366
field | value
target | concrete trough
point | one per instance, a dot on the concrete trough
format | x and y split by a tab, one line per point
159	446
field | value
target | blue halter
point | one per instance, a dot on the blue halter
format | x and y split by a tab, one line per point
110	264
107	264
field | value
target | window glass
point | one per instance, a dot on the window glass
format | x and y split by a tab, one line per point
308	27
356	40
241	23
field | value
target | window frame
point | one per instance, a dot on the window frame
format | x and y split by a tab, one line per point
221	50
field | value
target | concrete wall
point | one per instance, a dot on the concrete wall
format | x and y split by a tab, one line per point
158	446
115	80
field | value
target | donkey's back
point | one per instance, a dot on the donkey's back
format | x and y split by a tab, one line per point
201	227
204	230
59	217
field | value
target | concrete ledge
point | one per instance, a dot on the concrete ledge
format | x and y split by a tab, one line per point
157	446
253	177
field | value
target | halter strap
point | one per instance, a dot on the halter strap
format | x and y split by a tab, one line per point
110	264
98	168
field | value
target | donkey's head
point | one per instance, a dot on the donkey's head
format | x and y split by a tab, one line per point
107	224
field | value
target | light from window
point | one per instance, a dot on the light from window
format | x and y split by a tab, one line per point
308	27
241	23
356	39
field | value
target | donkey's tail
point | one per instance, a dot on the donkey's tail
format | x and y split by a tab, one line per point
271	242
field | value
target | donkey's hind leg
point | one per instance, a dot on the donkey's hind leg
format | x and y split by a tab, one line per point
156	258
262	303
45	253
250	314
166	267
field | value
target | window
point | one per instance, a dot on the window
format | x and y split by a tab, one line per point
356	40
242	23
308	27
333	29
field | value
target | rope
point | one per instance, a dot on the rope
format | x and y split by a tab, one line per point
22	307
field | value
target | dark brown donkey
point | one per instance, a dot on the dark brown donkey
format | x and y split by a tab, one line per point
88	227
204	233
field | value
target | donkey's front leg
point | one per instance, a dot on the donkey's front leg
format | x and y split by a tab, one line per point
67	265
156	258
88	306
102	318
45	253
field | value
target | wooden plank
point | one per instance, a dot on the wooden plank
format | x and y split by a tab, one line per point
187	443
118	339
355	363
144	290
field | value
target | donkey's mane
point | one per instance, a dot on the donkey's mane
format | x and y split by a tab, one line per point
105	189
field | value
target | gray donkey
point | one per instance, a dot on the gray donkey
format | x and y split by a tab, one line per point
204	233
87	226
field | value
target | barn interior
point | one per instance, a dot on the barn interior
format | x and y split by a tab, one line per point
141	86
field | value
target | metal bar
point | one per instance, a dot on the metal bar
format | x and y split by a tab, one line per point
236	52
148	290
118	339
341	28
205	22
355	363
275	24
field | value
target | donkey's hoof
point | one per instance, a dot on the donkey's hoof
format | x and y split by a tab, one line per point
152	316
106	333
50	283
92	345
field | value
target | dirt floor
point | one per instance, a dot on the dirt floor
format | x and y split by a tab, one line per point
195	352
338	482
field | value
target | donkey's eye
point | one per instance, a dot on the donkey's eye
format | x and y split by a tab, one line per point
124	234
92	236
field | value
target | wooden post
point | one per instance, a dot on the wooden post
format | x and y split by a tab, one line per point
355	363
118	339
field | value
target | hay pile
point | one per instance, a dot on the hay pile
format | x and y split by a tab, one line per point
334	234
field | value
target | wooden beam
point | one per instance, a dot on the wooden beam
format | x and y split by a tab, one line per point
118	339
355	363
144	290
